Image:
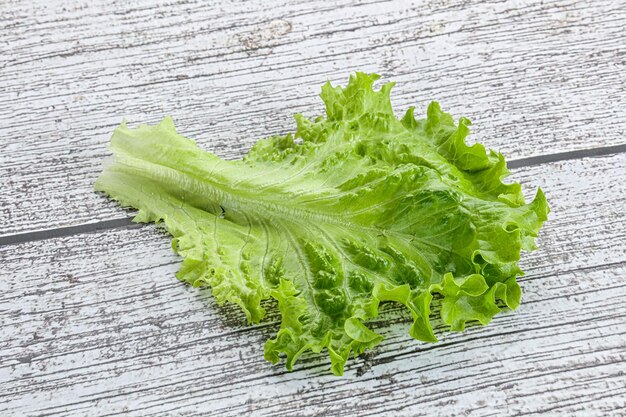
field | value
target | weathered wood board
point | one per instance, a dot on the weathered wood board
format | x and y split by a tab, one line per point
535	77
97	323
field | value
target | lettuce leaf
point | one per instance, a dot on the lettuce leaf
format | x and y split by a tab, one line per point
356	208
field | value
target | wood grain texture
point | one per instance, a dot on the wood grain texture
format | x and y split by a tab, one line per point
536	77
96	324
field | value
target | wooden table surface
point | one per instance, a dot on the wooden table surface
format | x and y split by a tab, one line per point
92	319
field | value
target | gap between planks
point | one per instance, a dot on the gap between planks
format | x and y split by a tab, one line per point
126	222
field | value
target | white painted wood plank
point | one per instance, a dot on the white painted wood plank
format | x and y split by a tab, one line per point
535	77
95	324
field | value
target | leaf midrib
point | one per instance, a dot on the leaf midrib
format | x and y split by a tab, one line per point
255	206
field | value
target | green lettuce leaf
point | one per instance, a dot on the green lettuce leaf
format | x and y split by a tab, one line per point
356	208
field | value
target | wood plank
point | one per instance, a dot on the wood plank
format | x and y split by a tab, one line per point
535	77
96	323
